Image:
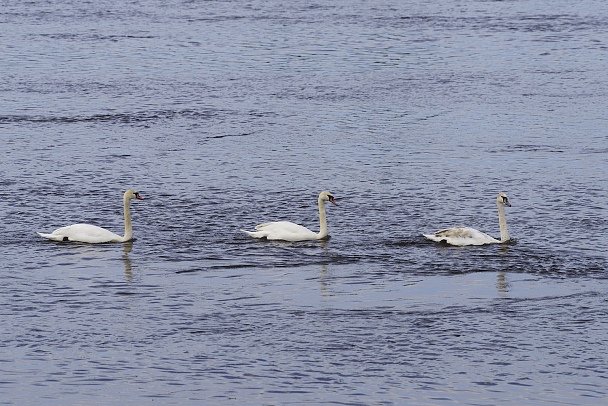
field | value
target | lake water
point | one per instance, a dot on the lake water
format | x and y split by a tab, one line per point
226	114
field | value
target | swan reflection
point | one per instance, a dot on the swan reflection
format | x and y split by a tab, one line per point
323	283
126	250
502	284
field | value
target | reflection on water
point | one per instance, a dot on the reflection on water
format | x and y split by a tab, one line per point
126	259
502	284
323	282
504	248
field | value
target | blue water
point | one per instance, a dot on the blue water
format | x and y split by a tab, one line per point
226	114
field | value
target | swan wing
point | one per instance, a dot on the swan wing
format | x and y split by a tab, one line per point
283	230
462	236
83	233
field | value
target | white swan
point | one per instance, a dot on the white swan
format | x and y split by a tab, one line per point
93	234
287	231
469	236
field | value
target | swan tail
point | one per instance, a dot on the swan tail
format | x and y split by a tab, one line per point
435	237
255	234
53	237
261	233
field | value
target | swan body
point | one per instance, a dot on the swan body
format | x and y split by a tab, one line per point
462	236
288	231
95	235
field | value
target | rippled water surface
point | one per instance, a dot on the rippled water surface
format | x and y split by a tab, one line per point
226	114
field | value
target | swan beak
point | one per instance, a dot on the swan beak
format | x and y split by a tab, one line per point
137	196
331	199
506	202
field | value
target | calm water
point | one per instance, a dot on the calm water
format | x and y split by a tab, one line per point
225	114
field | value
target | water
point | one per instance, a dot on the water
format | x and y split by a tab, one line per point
225	114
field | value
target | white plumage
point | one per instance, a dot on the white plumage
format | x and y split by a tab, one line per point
462	236
93	234
288	231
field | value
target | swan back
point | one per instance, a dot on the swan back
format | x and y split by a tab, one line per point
283	230
462	236
83	233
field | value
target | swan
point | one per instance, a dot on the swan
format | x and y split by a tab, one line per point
462	236
288	231
93	234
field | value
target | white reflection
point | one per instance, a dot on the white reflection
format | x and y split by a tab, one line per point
126	250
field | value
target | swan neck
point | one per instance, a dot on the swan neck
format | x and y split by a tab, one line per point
128	228
502	220
322	220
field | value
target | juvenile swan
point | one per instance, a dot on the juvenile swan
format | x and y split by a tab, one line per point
469	236
93	234
287	231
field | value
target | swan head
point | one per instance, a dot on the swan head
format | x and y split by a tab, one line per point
132	194
502	198
327	197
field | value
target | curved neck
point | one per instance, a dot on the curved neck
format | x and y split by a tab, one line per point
128	228
322	219
502	220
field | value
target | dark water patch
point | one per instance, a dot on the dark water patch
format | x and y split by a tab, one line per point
122	118
93	37
553	149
